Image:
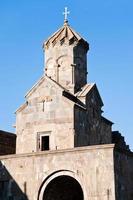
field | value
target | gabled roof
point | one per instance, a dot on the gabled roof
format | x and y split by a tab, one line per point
39	83
34	86
65	32
73	98
107	121
21	108
33	89
65	93
87	89
5	133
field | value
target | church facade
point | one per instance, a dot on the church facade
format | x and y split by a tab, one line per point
65	148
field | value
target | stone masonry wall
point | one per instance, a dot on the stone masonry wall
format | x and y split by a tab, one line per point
92	167
123	174
47	112
98	128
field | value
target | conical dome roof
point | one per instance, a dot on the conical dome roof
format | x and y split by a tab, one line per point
65	32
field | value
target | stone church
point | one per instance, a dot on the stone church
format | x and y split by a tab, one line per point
65	148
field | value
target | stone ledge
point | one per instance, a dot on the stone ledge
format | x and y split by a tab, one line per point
76	149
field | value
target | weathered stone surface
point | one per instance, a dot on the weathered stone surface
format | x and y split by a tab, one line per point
92	167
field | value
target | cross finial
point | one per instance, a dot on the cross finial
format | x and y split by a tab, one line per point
66	13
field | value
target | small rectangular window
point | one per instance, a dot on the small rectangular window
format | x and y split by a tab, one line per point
44	143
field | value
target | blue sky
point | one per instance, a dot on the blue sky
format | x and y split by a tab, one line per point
106	24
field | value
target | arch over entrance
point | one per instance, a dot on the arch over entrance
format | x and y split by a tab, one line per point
63	188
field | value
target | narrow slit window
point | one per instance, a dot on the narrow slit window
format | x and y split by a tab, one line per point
43	106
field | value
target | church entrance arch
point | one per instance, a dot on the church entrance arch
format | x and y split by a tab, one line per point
63	188
61	185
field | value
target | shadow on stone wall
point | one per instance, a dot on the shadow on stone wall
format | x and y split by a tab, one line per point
7	143
9	189
123	162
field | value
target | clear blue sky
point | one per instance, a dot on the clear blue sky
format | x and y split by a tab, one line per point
106	24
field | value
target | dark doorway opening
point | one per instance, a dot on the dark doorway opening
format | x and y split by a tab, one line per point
63	188
44	143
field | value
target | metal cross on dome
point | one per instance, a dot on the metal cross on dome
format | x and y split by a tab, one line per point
66	13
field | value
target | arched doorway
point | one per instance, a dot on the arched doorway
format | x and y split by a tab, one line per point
63	188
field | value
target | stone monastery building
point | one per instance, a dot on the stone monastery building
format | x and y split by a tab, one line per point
65	148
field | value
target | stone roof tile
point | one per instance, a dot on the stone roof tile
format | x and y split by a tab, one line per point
64	32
